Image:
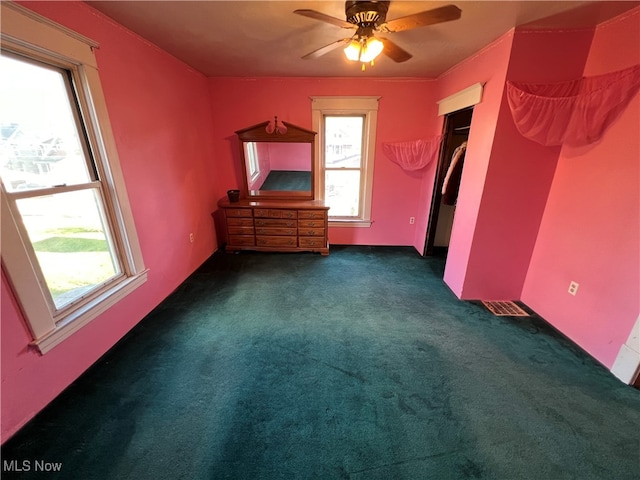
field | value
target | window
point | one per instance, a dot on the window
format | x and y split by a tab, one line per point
251	153
48	173
69	246
343	164
344	153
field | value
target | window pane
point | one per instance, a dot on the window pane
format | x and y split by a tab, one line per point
342	192
251	153
40	145
343	141
68	233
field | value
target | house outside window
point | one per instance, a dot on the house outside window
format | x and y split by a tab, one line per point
345	153
69	246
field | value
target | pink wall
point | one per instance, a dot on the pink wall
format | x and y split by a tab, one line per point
406	112
488	67
519	172
162	130
590	229
290	156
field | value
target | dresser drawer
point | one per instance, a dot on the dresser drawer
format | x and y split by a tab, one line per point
238	212
311	223
274	222
240	221
242	240
311	232
276	231
312	214
312	242
275	213
276	241
240	230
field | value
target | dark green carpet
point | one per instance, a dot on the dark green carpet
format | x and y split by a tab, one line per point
287	180
360	365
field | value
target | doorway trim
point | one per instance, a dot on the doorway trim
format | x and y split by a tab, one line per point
468	97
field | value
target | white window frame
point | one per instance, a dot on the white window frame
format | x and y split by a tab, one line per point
349	106
29	34
251	152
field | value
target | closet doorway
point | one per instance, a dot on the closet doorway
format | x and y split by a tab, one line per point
455	134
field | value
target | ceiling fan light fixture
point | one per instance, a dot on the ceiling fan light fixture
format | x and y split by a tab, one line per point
371	50
352	51
363	50
368	17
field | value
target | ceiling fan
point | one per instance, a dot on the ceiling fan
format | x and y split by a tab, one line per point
370	17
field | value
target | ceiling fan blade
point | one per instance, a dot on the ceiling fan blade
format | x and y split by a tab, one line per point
393	51
422	19
327	48
325	18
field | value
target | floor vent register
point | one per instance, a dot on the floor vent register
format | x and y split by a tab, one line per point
505	309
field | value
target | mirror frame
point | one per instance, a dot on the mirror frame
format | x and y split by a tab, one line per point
293	134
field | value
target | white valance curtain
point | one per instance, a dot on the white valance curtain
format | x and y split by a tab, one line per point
413	155
576	112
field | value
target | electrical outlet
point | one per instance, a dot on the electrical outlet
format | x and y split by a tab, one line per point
191	237
573	288
412	220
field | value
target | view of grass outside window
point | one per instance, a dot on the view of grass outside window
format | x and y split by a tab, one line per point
343	164
49	176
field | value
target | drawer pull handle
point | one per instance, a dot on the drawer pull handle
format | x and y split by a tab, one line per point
289	232
289	224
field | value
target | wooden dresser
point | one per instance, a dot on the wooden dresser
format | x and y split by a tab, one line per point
276	226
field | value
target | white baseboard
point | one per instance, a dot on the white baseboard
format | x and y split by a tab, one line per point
627	364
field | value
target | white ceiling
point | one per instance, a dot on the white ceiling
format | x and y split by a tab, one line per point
265	38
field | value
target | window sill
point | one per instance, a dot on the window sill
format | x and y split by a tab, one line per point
350	223
78	319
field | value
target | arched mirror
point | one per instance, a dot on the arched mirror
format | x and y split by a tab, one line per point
277	161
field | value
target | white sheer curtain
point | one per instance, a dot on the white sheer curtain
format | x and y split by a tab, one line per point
576	112
413	155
